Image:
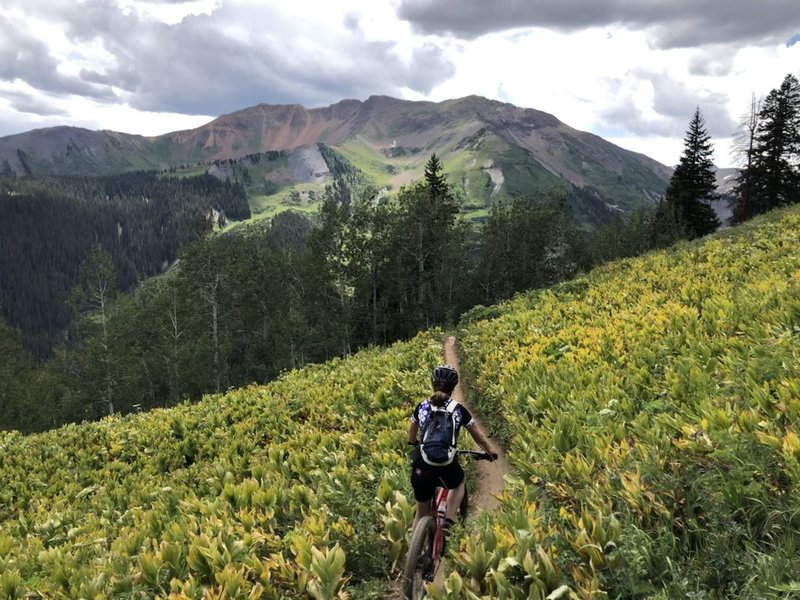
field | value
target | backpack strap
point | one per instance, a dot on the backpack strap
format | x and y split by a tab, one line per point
451	409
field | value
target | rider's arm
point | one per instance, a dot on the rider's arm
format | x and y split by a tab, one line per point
413	428
480	438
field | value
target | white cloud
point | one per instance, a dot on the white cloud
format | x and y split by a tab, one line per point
149	66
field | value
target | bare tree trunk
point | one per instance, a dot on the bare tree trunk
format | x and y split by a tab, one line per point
745	136
175	334
215	338
209	293
102	291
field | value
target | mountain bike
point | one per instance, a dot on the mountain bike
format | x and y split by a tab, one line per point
427	540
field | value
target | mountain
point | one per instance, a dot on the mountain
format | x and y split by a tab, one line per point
489	148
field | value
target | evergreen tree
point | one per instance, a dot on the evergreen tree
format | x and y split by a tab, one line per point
435	178
526	243
328	244
429	251
772	178
15	371
693	184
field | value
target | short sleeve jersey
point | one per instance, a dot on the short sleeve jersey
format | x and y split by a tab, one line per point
462	417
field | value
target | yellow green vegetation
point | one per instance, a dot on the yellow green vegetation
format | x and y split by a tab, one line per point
651	411
278	491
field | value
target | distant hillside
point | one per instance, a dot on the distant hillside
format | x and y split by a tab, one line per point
489	148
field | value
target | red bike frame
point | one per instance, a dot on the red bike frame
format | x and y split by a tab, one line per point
425	553
438	513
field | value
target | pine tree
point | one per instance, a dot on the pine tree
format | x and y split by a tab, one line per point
772	178
429	240
693	184
435	178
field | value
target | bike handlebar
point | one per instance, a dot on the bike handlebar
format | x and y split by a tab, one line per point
479	454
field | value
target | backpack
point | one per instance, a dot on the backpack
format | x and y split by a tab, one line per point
438	445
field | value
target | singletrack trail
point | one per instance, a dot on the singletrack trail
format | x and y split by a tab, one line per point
490	482
490	474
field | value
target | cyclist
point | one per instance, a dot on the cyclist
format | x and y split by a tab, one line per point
425	477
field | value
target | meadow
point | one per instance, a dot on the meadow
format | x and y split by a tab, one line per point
650	411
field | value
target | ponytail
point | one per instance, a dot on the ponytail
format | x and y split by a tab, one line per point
439	399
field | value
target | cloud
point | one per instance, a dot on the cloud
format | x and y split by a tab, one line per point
678	23
651	103
793	40
24	57
28	103
713	61
235	55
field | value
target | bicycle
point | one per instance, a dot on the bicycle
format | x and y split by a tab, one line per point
427	540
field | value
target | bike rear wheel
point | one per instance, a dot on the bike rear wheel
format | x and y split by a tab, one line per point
419	567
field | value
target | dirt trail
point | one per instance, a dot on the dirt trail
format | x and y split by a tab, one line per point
490	474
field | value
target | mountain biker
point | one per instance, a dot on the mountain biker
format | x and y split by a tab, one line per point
425	478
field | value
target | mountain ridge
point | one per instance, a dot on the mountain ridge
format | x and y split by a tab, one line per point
481	141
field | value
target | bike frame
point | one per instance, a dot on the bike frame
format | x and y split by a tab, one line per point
417	568
439	500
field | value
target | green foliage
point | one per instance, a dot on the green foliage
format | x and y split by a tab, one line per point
51	224
16	374
350	184
652	410
276	491
526	243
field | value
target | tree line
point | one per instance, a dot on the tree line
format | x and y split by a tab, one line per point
244	306
768	147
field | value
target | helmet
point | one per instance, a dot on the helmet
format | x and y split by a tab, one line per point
446	374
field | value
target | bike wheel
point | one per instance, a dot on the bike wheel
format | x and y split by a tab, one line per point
419	562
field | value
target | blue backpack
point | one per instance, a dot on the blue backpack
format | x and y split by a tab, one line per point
438	445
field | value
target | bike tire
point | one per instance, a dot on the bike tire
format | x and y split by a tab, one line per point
464	508
418	559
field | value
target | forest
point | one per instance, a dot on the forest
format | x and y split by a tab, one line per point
50	224
248	304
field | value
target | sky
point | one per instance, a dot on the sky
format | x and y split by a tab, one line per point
631	71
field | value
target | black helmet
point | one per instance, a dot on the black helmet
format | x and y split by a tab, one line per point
445	374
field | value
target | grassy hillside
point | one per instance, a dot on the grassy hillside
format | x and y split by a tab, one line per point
649	409
265	492
651	412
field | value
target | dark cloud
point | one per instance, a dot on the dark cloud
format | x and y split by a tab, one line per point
673	104
712	63
675	23
27	103
230	59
